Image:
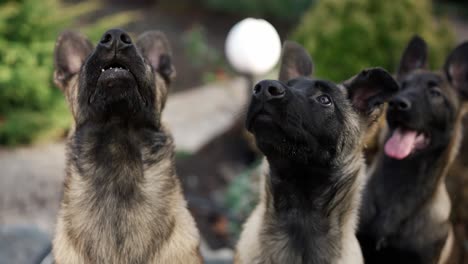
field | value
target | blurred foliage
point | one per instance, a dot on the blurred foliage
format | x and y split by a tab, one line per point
31	108
345	36
241	197
203	55
286	10
197	47
182	155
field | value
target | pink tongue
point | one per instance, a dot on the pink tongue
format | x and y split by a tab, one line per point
400	144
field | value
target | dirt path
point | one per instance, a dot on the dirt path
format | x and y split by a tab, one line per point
31	184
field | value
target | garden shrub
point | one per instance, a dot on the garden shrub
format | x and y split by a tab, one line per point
31	108
345	36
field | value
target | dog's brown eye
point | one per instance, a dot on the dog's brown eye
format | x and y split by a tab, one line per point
324	99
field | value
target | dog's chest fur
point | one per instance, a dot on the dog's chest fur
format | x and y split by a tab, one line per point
322	233
121	196
402	203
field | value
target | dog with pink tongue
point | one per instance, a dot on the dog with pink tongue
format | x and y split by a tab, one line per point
406	208
403	142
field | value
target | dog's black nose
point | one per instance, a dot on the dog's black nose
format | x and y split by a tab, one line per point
115	39
399	103
267	90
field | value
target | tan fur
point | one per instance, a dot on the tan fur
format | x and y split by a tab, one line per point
457	184
250	245
79	214
92	228
440	205
451	253
373	138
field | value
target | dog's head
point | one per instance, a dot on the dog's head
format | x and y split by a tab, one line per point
310	120
423	114
117	80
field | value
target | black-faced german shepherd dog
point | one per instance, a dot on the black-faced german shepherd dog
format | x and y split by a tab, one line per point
122	201
312	134
406	208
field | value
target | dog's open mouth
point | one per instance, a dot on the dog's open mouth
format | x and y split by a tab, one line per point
116	72
404	142
115	82
114	67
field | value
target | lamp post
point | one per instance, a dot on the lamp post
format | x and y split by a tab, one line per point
253	48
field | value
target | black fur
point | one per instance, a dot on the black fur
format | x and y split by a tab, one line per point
292	131
124	95
303	201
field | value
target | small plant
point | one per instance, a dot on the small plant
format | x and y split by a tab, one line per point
241	197
202	55
31	108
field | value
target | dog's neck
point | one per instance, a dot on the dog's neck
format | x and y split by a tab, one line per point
122	181
300	187
313	206
419	172
405	188
113	158
422	171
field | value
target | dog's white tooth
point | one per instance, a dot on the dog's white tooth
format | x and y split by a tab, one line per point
102	70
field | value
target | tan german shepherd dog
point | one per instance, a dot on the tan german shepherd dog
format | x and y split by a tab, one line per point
312	133
122	200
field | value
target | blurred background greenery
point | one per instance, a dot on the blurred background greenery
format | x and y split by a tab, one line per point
347	36
31	109
343	36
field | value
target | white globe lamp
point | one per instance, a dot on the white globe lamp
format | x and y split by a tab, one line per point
253	47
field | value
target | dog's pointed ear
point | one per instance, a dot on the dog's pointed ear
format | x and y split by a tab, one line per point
456	69
369	90
155	48
295	62
71	50
414	57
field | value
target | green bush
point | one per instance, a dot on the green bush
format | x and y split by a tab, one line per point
241	197
31	108
345	36
279	9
